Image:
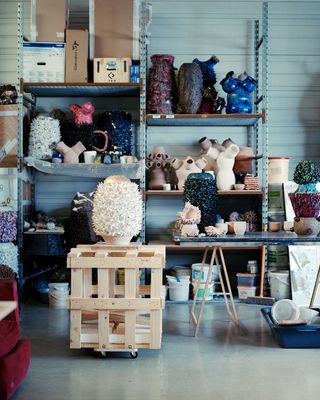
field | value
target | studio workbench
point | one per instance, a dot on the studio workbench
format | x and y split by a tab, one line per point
213	248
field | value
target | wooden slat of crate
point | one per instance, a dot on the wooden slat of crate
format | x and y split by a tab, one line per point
117	262
115	304
103	316
75	314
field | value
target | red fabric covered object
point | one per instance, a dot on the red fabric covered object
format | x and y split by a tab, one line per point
14	351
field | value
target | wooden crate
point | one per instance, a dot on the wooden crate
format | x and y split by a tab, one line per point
8	134
107	316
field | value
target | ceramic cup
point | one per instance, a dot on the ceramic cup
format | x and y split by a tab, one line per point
239	227
274	226
166	186
89	156
239	186
288	226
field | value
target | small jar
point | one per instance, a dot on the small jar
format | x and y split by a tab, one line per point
57	158
252	266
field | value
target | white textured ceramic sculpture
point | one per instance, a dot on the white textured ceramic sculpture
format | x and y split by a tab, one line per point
189	217
117	210
225	162
44	135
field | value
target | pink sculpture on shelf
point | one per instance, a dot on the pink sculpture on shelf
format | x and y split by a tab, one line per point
186	167
82	114
157	165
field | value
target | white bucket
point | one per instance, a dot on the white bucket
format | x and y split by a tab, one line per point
58	295
196	272
279	284
278	257
179	291
209	292
278	169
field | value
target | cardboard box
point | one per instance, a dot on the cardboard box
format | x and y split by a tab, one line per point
49	19
112	70
8	135
76	55
114	28
43	62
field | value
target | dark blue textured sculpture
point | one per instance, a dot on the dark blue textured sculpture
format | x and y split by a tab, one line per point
200	190
238	89
207	69
119	127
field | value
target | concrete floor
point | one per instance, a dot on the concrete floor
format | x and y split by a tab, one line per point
219	364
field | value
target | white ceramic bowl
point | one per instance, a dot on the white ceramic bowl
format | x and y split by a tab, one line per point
239	227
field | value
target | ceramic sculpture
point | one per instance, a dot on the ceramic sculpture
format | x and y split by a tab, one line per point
210	150
306	199
70	154
238	89
184	168
161	84
44	134
201	191
157	166
83	130
225	162
190	84
119	126
189	217
117	210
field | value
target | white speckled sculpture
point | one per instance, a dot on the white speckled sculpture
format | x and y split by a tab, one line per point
117	210
44	134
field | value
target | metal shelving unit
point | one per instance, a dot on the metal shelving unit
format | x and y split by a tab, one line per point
29	92
256	123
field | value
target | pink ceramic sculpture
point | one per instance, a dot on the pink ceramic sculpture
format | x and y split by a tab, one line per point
210	150
82	114
106	140
157	165
185	167
70	154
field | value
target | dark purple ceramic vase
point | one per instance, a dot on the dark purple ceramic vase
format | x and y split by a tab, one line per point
161	84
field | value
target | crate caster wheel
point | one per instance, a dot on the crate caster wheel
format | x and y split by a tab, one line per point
103	354
134	354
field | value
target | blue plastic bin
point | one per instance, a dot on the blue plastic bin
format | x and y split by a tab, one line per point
246	279
293	337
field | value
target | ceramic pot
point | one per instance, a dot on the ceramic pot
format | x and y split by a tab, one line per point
305	204
117	240
306	226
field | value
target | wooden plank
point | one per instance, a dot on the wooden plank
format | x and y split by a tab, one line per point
115	304
103	284
87	283
75	329
130	287
76	283
156	329
103	329
116	262
156	283
130	330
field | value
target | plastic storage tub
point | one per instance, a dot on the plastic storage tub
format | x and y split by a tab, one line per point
247	279
293	337
246	291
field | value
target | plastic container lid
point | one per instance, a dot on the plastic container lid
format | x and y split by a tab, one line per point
285	310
